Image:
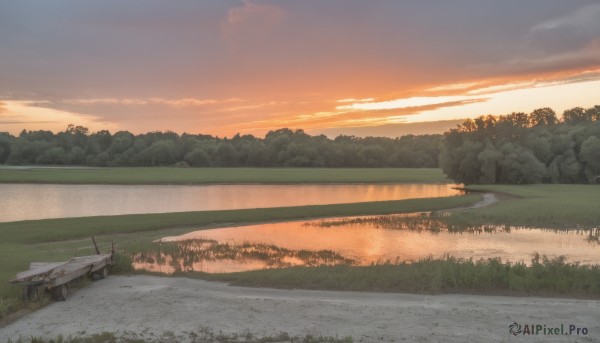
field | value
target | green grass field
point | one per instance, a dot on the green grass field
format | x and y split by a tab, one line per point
550	277
549	205
220	175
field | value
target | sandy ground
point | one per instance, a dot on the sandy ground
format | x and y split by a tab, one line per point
149	306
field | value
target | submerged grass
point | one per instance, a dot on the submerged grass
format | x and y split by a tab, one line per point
424	221
154	175
184	255
544	277
438	222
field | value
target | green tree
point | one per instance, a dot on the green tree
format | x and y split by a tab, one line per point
520	166
575	115
226	155
490	160
590	155
54	155
543	116
197	158
6	140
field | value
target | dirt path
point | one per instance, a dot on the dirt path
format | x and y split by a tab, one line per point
152	306
488	199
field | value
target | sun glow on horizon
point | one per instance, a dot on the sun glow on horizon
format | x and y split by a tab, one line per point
461	101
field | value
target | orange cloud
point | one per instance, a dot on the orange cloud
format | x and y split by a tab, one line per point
181	102
337	109
336	119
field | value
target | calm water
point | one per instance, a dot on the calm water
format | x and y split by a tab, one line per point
307	243
32	201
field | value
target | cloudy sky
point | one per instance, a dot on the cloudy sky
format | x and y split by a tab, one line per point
228	66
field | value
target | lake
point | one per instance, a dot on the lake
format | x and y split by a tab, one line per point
41	201
360	241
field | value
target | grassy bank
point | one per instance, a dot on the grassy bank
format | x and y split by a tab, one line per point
544	277
549	205
221	175
36	231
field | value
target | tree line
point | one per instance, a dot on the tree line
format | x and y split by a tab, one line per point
513	149
522	148
279	148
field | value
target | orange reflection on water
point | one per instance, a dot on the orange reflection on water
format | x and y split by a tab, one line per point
367	243
170	265
28	202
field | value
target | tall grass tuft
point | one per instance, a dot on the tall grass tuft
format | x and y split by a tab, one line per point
544	277
183	255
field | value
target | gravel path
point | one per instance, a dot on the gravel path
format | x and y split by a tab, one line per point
150	306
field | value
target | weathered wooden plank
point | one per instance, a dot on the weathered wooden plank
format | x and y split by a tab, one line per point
100	265
72	275
34	265
31	273
57	273
76	263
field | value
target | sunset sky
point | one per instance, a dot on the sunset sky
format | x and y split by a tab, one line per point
354	67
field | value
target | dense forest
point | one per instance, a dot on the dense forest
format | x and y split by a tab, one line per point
280	148
525	148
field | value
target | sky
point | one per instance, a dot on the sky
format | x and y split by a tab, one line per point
221	67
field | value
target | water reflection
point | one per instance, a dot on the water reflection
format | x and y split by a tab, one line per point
40	201
366	240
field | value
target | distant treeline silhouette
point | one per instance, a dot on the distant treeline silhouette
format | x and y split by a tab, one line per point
280	148
525	148
512	149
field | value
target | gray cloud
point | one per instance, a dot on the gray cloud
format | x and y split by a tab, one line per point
268	51
154	48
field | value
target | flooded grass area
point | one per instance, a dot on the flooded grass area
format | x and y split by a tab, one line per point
438	222
211	256
363	241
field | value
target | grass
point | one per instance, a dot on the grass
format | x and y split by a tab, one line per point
549	205
221	175
423	221
203	336
48	230
182	255
545	277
